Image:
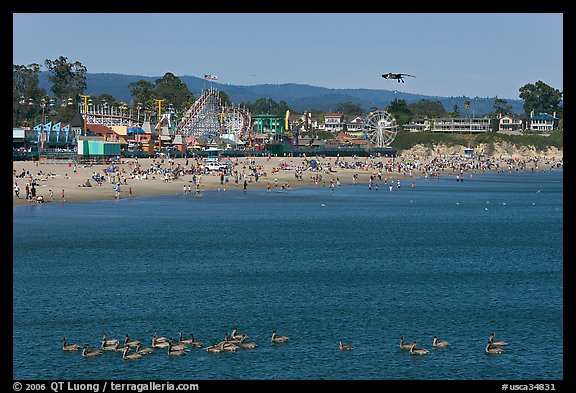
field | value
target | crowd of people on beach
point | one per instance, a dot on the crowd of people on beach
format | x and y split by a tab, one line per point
243	171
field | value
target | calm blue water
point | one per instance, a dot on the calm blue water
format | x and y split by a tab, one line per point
456	260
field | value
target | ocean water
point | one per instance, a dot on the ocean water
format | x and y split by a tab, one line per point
456	260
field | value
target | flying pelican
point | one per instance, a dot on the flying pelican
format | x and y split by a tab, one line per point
398	77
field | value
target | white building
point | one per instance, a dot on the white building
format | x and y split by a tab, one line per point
333	122
462	125
418	125
542	122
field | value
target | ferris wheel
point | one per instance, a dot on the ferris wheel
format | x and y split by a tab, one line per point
380	128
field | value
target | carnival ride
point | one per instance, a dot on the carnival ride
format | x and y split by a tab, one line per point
208	118
380	128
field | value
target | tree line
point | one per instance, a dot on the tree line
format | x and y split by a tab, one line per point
30	102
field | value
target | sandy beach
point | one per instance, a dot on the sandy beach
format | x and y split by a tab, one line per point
148	177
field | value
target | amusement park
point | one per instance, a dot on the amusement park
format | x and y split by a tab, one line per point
100	130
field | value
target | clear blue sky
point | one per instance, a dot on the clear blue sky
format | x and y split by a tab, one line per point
451	54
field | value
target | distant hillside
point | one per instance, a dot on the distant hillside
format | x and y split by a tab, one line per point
299	97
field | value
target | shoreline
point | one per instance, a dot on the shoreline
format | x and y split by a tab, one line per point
259	173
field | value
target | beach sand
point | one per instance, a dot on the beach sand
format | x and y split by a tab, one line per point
276	172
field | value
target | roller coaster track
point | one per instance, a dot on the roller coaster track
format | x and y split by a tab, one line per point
111	118
202	117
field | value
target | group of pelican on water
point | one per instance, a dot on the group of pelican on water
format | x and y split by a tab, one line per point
231	342
493	346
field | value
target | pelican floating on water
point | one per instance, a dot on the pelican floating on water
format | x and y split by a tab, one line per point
176	347
69	347
236	335
132	356
439	344
131	343
492	350
158	344
278	339
345	347
417	351
404	345
194	343
247	345
109	341
143	351
175	352
89	353
496	343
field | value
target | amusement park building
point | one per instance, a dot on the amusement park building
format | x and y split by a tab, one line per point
333	122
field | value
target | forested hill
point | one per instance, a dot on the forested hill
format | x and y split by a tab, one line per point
299	97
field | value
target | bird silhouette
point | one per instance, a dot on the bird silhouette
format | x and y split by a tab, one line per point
398	77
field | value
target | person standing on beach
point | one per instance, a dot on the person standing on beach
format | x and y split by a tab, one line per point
27	189
62	195
245	185
130	192
51	195
17	190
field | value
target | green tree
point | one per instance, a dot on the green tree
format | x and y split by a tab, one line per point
466	106
68	82
349	109
541	98
171	89
266	106
26	94
224	99
500	107
399	109
142	92
456	111
105	98
427	109
68	79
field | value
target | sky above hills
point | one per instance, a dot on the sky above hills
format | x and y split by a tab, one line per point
451	54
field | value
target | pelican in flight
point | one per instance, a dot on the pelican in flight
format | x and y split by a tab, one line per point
398	77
